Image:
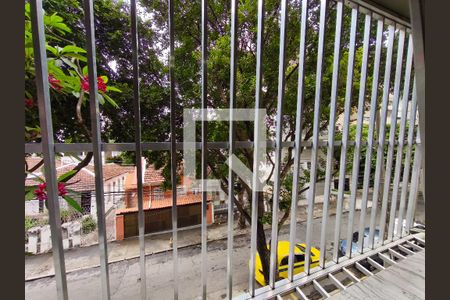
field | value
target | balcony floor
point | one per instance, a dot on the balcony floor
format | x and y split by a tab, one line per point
405	280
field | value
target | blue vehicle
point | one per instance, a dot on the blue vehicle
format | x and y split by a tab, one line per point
343	243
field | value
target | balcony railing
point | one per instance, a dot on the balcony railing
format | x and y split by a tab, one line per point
393	172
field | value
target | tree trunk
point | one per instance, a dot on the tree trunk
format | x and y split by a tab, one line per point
241	221
261	243
264	253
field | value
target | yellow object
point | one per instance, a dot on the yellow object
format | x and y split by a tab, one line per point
283	259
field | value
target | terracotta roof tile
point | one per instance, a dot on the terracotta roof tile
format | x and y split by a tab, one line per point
85	179
151	177
111	170
187	199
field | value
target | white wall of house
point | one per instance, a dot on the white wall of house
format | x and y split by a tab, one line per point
32	206
113	189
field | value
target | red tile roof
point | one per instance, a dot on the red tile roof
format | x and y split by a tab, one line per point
32	161
111	170
151	177
85	179
186	199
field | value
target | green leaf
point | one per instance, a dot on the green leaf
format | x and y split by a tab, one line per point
74	204
85	70
111	101
72	49
76	94
64	176
29	192
113	89
69	62
52	49
105	78
73	192
76	56
30	195
101	100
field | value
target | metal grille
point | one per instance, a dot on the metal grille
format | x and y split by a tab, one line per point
398	32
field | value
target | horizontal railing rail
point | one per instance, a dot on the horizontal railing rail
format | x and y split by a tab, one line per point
36	148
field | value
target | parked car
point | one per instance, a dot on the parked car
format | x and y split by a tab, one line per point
364	263
283	260
355	237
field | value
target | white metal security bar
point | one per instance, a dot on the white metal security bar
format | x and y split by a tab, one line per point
398	31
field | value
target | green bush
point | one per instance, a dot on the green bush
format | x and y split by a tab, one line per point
88	225
30	223
68	215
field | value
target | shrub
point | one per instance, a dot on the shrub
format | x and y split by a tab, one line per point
68	215
30	223
88	225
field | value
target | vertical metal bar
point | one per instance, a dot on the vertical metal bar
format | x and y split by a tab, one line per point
230	224
406	170
359	129
96	144
331	126
173	150
256	155
416	8
398	162
414	183
279	138
204	142
137	137
347	106
391	144
380	134
316	129
298	139
48	145
370	138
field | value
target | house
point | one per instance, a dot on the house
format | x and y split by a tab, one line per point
83	184
158	204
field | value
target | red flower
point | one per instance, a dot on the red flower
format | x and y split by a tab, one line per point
29	103
100	84
54	83
62	191
85	84
41	193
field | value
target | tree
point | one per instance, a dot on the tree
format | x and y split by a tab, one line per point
187	76
114	48
66	77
